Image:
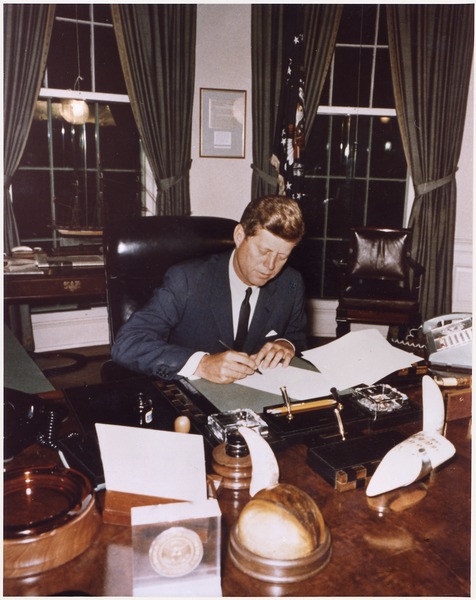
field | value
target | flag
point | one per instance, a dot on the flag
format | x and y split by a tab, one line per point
288	157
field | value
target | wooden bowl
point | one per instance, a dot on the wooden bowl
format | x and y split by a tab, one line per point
50	517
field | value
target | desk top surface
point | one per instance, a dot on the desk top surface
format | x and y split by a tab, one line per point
422	551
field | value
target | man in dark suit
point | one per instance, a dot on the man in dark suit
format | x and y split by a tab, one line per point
191	320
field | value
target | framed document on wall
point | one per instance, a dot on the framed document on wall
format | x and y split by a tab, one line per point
222	123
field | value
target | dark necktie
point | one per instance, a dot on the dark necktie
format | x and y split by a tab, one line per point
243	319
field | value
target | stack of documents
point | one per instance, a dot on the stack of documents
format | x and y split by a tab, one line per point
360	357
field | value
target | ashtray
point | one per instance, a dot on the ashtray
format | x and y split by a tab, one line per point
222	424
380	398
50	517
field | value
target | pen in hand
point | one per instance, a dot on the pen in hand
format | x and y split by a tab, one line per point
229	348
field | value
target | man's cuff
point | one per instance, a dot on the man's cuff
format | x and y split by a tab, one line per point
191	365
288	342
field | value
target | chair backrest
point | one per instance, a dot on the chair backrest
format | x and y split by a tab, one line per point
379	254
138	253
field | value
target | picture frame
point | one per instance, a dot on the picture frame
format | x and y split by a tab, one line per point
222	123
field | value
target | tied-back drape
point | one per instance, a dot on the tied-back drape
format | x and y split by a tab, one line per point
431	48
270	27
27	34
157	49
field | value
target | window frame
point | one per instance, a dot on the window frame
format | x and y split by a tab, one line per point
320	243
51	94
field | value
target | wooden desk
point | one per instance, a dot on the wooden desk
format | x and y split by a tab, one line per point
58	284
423	551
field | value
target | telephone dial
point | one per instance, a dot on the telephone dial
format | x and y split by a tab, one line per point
449	340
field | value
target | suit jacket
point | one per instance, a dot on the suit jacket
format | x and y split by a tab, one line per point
191	311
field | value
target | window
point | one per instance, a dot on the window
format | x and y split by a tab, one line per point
73	177
356	172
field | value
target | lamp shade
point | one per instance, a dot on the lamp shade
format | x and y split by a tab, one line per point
74	111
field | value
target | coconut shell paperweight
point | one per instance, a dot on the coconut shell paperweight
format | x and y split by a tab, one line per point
50	517
280	535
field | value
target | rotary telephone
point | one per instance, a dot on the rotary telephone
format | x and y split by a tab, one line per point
449	341
28	419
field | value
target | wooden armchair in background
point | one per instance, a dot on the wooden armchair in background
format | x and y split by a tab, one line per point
380	281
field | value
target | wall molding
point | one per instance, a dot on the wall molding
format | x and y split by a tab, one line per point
70	329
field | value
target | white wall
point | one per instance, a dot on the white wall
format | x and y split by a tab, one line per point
222	186
463	254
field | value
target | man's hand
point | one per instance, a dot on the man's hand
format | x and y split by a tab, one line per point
226	367
274	353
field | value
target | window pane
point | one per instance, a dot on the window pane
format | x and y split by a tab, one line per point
62	60
36	149
355	165
346	207
73	11
313	207
382	28
102	13
31	199
71	175
383	90
122	198
385	207
340	148
109	77
316	149
387	157
120	143
352	77
350	30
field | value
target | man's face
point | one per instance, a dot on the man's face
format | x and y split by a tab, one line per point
260	257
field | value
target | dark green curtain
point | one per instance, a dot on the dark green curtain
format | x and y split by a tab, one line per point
157	48
26	38
266	68
431	49
321	22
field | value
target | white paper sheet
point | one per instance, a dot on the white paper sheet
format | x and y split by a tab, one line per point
301	384
362	356
155	463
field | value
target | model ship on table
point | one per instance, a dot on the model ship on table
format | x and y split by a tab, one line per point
85	220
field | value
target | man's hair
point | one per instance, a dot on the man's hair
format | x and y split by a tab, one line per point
279	215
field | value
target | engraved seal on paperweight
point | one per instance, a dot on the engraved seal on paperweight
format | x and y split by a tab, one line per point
176	552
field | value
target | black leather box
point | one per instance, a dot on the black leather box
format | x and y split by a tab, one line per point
349	464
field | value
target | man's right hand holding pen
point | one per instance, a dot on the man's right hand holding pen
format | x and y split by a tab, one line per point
230	366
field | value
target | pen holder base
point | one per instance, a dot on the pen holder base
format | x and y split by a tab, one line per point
235	470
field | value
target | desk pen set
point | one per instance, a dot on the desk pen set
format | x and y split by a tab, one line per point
333	429
371	407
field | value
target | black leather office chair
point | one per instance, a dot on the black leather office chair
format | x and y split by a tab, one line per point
380	281
138	253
